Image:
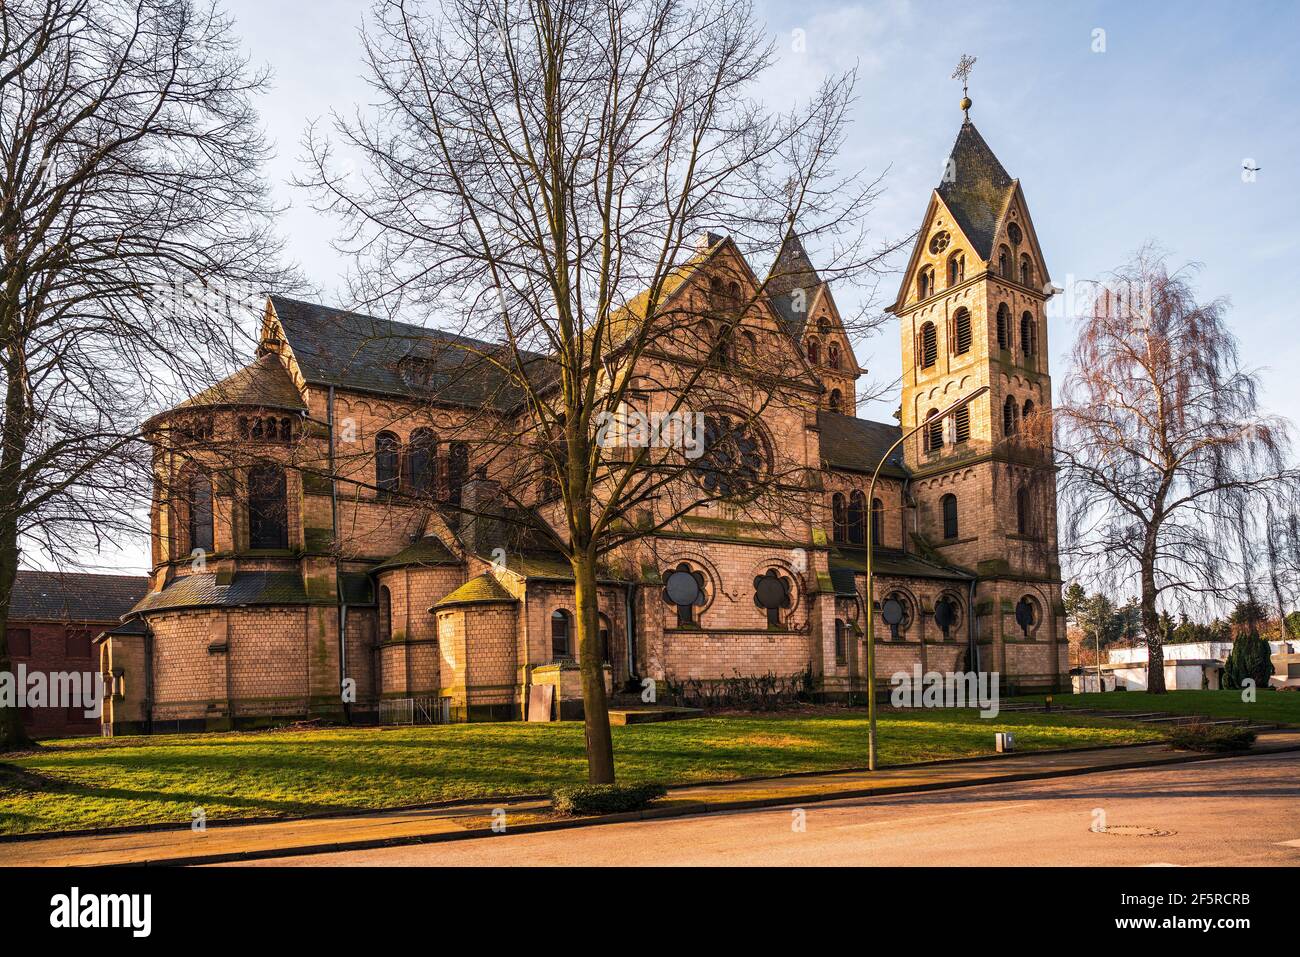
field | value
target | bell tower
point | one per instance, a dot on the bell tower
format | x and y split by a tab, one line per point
972	313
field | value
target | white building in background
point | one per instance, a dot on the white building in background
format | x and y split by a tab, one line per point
1196	665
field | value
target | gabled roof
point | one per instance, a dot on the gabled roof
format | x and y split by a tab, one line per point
58	596
351	350
975	188
858	444
792	269
264	382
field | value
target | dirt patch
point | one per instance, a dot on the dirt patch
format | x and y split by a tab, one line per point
14	779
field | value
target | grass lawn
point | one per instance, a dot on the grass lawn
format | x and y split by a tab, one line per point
92	782
1271	706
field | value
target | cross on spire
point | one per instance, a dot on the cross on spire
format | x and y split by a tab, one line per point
964	66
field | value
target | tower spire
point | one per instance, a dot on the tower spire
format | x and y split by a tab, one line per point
962	73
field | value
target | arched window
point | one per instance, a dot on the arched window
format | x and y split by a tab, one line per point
268	525
947	614
560	633
385	613
199	494
839	517
841	645
814	352
824	326
961	425
1004	326
956	268
950	527
857	518
1028	412
837	401
961	324
929	346
457	470
1026	271
1004	262
1022	511
933	431
1010	417
833	355
421	462
387	461
1028	335
925	282
877	521
603	640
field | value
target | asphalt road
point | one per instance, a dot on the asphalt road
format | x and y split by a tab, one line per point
1233	812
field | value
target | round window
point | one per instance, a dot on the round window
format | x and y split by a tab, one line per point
939	242
734	460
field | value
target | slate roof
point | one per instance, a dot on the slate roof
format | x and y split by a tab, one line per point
479	590
979	188
792	269
264	382
247	588
846	562
351	350
858	444
72	596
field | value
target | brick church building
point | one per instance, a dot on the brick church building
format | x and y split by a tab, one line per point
292	557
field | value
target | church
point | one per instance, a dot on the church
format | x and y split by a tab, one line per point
319	522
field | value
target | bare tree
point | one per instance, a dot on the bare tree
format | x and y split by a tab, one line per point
1161	443
537	174
130	200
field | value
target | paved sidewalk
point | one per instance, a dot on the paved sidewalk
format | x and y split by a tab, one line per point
387	828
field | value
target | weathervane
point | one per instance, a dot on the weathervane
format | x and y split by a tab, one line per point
963	73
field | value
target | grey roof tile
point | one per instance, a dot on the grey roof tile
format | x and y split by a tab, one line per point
74	596
978	189
858	444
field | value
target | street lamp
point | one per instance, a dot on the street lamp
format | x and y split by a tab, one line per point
871	603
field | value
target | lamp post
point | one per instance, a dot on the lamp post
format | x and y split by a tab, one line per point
871	604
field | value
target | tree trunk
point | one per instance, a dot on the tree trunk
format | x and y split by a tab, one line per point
13	443
1151	627
595	708
12	735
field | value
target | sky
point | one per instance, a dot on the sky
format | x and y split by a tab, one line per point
1125	123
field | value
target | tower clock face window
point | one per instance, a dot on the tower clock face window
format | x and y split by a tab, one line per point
939	242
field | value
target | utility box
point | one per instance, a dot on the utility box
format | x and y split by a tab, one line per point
1005	741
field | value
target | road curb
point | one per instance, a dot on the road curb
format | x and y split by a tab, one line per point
688	810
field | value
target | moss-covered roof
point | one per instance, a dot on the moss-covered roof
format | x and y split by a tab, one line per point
429	550
541	565
480	590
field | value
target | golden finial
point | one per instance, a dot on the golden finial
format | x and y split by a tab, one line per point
963	73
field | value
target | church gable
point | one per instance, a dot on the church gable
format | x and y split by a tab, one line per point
1016	254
